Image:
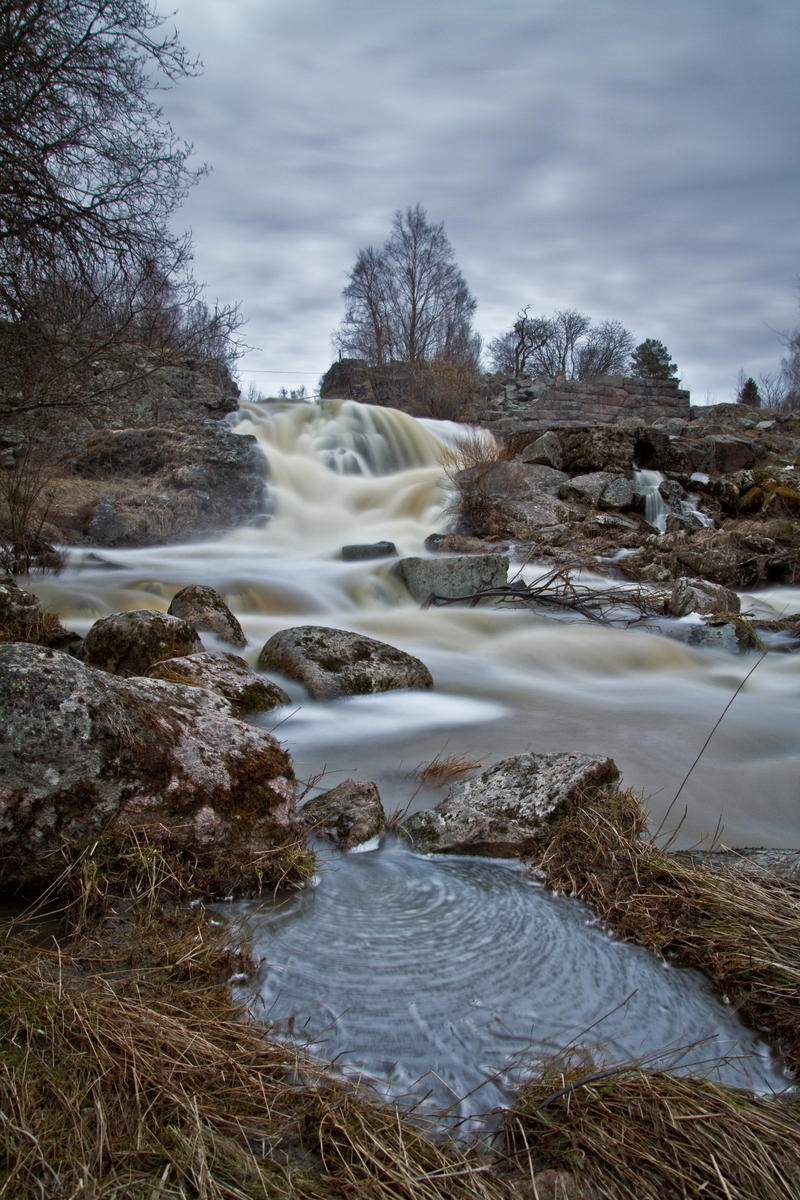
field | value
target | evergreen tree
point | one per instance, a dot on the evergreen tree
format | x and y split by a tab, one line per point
750	394
651	360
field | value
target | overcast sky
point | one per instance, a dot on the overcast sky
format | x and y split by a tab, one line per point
632	160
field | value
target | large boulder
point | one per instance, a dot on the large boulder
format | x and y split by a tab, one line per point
461	575
128	643
331	663
206	611
503	811
348	814
226	675
83	752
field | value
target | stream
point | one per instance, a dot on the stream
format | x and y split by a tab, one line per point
433	976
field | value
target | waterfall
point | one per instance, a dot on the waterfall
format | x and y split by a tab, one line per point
444	967
647	484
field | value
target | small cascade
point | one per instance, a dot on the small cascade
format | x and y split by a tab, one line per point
647	484
344	472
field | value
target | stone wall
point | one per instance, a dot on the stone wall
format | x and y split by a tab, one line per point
607	400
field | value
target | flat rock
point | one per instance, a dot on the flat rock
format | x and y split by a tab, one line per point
83	752
459	575
360	552
501	812
331	663
348	814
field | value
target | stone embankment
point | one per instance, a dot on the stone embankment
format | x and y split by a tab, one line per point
158	463
608	399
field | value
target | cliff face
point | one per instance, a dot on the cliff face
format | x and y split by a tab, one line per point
150	458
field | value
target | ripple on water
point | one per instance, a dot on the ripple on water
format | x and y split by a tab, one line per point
435	975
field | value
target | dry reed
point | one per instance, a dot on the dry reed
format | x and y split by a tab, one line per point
126	1070
637	1134
649	1135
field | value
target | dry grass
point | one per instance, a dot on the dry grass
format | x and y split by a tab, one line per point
648	1135
635	1134
443	768
126	1070
742	930
485	477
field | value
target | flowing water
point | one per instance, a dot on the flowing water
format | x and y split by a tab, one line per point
407	965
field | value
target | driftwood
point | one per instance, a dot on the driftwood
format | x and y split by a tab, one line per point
607	605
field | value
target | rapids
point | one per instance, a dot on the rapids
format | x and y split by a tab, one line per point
405	966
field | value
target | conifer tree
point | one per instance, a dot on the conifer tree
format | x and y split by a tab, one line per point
651	360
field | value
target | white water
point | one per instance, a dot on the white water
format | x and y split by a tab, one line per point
390	945
506	681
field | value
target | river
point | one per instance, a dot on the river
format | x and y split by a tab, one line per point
505	682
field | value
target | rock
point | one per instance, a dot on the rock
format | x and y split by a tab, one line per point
545	450
331	663
461	575
358	553
106	527
601	489
751	860
696	595
501	812
541	478
130	642
83	752
523	519
205	610
22	619
349	814
226	675
458	543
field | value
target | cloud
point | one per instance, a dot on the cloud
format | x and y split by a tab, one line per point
633	162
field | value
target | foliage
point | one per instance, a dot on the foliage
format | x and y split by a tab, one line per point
91	174
566	344
651	360
408	300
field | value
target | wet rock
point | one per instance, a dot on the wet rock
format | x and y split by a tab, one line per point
83	752
349	814
699	596
461	575
130	642
226	675
368	550
331	663
205	610
501	812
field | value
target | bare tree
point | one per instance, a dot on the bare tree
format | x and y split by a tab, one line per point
408	300
565	344
91	173
605	351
